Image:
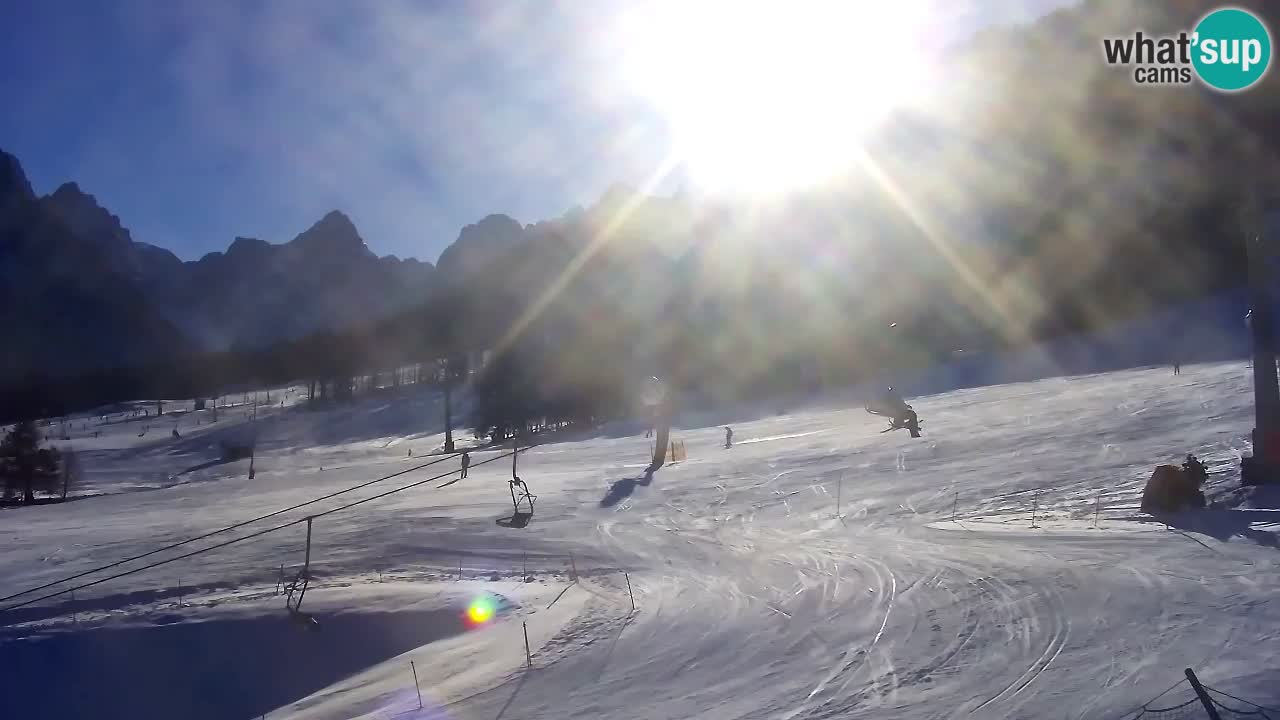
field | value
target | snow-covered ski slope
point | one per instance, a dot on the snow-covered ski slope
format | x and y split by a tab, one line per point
753	599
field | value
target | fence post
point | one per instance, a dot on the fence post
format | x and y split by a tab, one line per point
1204	696
459	567
954	502
839	485
415	683
179	591
1035	502
573	566
1097	505
528	657
75	612
629	593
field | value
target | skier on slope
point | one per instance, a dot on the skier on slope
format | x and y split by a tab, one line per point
728	436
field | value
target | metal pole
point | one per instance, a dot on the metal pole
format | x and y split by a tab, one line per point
1266	389
631	594
306	567
179	591
839	485
1034	504
1204	696
253	448
528	657
1097	505
415	683
574	567
954	502
306	562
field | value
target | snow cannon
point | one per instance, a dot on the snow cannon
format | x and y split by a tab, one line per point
1172	489
901	415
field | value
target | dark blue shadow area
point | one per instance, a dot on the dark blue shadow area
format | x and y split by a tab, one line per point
1226	524
622	489
210	670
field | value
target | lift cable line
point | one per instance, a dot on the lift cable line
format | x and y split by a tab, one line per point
242	538
237	526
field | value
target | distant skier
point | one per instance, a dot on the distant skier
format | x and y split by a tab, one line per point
466	463
1177	367
728	436
175	433
410	453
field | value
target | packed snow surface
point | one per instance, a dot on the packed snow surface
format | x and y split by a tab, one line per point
996	567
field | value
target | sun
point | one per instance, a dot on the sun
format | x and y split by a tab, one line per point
767	96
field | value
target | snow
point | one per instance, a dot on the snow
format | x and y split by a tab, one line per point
755	597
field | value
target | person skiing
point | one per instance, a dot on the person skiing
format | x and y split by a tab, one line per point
728	436
466	463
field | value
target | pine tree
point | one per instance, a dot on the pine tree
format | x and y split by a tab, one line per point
25	466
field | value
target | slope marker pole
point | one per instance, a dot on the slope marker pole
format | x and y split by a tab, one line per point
415	683
528	657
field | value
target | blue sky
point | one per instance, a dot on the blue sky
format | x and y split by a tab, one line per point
197	121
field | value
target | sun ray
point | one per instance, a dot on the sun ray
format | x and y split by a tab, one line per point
597	242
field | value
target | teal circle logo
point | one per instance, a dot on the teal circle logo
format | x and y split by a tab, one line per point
1231	49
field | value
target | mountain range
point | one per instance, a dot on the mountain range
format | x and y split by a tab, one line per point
80	293
1040	192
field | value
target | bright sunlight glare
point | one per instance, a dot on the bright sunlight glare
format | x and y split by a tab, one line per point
767	96
481	610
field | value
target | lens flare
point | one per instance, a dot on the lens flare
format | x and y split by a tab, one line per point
481	610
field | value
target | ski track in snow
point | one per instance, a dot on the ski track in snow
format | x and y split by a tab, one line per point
753	598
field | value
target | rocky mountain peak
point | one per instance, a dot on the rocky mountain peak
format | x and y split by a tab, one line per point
14	187
333	234
86	218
